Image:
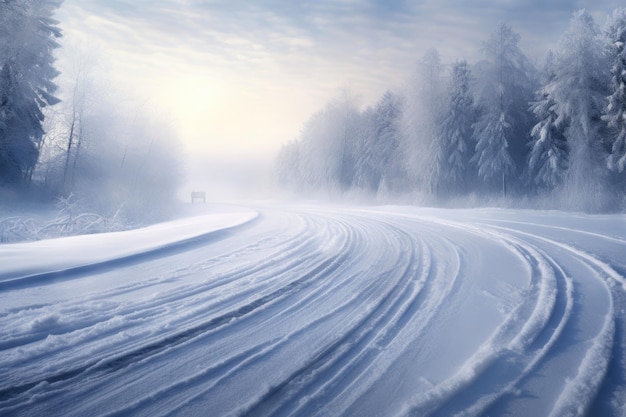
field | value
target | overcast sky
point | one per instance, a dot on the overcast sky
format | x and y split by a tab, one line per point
241	77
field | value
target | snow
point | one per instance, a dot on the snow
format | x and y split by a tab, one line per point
23	260
284	309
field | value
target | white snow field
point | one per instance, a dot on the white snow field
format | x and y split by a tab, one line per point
312	310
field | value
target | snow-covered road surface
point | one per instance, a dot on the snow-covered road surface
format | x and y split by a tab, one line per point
316	310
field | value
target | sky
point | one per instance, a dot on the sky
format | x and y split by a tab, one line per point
238	79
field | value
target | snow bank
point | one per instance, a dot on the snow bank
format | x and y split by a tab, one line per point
27	260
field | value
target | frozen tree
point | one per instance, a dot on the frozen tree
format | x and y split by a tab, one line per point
80	95
547	162
318	169
378	151
578	91
28	36
420	121
347	121
69	130
74	124
367	168
122	156
615	114
505	84
327	146
288	165
455	131
340	148
128	158
492	155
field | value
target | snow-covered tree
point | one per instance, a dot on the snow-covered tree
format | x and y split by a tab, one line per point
348	124
500	126
327	146
492	155
505	84
424	104
376	159
579	91
128	158
288	165
615	114
28	35
547	162
455	131
65	122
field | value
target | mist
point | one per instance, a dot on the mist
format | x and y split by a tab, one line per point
229	177
500	131
494	128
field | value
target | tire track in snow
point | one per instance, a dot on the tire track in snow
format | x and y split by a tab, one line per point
447	284
200	377
445	398
331	317
453	388
114	364
340	276
348	244
600	351
514	352
411	319
181	294
358	345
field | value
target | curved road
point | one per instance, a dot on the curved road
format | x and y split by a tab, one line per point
316	310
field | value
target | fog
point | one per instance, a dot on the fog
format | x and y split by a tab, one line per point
496	127
225	178
500	131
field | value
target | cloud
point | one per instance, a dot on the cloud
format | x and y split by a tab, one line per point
329	29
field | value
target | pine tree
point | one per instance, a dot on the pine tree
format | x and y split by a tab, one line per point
376	157
28	36
504	89
492	156
579	91
420	120
615	114
288	165
547	162
455	131
327	146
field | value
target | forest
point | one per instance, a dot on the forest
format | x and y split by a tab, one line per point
88	144
500	131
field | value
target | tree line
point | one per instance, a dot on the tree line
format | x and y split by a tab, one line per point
91	144
499	127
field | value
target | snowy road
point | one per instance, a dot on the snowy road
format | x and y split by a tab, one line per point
314	310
